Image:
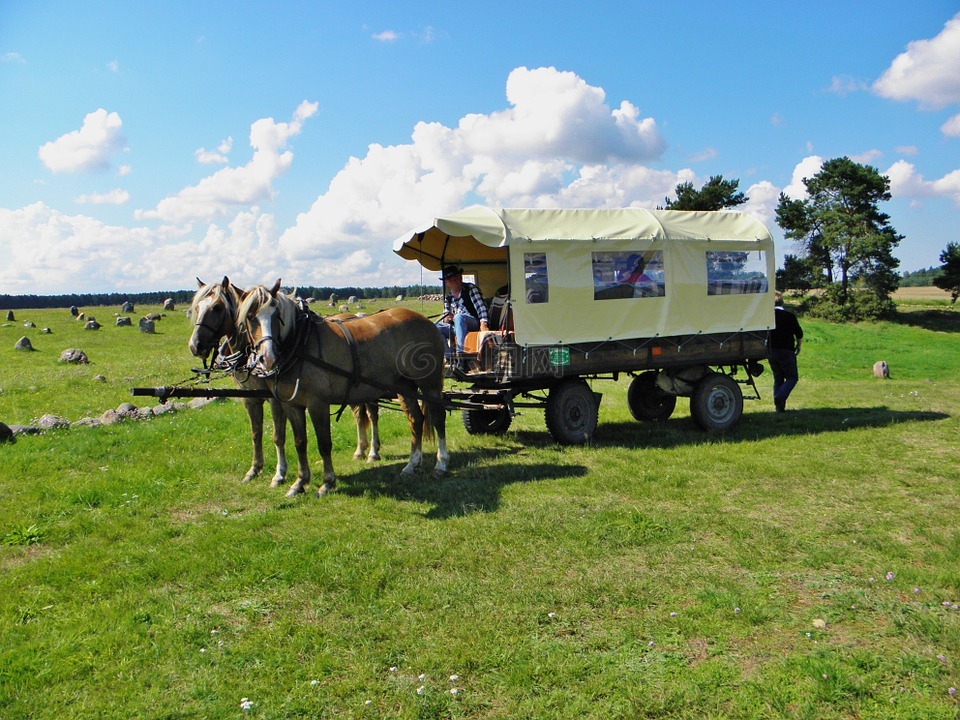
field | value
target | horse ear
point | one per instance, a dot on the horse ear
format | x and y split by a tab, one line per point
226	282
200	282
276	288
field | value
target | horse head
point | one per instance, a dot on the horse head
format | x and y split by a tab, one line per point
213	310
266	317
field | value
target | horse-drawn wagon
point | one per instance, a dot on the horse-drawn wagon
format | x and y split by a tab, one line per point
680	301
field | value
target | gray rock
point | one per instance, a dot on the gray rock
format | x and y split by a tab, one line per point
74	310
91	324
72	355
29	324
50	422
46	331
23	344
124	322
147	326
6	434
169	305
881	369
127	307
10	317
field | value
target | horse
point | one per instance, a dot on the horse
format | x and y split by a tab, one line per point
214	308
313	362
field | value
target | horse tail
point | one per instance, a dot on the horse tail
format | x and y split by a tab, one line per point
428	434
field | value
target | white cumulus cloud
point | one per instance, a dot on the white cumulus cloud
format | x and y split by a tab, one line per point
951	128
234	188
113	197
215	157
558	143
89	148
927	71
907	182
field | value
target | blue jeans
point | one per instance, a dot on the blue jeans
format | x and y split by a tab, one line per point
462	324
783	363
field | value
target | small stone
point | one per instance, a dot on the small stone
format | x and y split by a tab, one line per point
820	624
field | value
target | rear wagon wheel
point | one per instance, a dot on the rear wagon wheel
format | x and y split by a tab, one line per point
571	412
717	403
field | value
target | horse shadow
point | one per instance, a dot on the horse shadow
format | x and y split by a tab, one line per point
473	485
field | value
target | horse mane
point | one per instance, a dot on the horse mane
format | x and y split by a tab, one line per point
257	297
216	292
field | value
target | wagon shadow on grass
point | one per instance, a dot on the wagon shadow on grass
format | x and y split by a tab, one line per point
473	486
757	426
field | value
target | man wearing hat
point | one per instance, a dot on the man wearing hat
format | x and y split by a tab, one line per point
463	308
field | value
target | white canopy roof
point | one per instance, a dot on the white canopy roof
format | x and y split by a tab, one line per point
478	233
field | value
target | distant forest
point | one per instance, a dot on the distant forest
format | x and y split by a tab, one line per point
920	278
182	298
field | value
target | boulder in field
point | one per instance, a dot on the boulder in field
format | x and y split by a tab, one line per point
23	344
74	356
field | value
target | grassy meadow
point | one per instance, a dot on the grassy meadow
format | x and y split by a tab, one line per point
804	565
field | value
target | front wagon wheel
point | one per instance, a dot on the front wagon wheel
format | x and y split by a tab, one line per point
647	402
571	412
717	403
487	421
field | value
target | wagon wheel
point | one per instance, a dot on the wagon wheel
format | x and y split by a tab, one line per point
647	402
571	412
487	422
716	403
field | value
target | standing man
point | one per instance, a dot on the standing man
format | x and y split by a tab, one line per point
785	340
463	308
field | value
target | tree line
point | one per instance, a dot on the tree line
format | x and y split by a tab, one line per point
182	298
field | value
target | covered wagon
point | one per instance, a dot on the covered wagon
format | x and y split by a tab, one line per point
680	301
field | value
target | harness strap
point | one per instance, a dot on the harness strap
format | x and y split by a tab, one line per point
354	350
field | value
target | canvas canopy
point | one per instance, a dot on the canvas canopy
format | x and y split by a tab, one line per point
592	275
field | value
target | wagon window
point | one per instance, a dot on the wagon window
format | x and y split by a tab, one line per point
535	273
736	273
628	275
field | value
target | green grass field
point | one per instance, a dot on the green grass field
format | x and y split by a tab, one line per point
805	565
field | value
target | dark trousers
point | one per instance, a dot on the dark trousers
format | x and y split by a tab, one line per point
783	363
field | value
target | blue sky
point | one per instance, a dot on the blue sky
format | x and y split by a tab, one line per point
144	144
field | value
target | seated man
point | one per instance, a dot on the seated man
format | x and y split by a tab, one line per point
463	308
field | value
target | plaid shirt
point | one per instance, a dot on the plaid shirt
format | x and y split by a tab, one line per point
456	305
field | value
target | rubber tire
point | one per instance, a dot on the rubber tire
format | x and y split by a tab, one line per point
647	402
572	412
487	422
717	403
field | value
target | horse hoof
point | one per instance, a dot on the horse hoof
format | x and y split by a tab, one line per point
277	481
439	474
294	491
325	489
372	458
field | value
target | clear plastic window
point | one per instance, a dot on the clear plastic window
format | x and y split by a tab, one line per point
618	275
736	273
535	274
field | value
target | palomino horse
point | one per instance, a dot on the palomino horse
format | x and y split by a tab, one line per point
312	362
214	309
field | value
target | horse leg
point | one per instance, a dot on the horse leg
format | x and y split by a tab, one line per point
363	420
254	410
320	415
373	411
438	419
298	421
279	441
415	419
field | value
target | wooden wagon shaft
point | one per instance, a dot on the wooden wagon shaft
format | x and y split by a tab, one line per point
165	392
